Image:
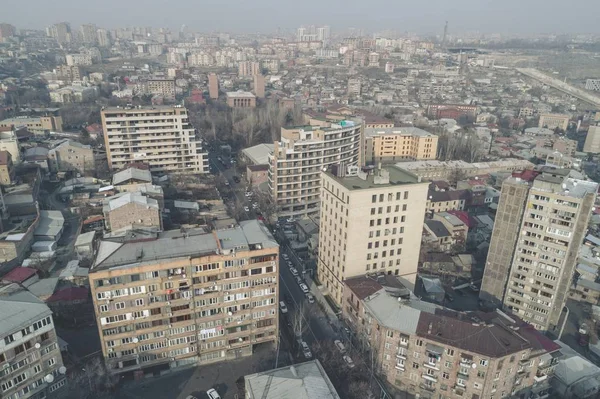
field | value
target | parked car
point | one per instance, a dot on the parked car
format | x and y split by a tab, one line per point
236	179
310	297
349	361
213	394
340	346
306	350
283	307
285	256
293	271
299	280
304	288
474	287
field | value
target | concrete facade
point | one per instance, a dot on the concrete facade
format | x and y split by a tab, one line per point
398	144
71	156
592	140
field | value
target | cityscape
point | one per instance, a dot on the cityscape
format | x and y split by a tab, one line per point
313	211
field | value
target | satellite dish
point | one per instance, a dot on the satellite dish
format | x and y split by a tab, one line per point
229	313
62	369
37	345
49	378
473	366
135	340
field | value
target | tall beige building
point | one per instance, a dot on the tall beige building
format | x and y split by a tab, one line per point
399	144
60	31
160	136
370	222
592	140
213	86
297	160
89	34
248	68
185	297
259	86
541	223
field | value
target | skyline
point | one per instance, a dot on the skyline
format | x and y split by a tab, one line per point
510	17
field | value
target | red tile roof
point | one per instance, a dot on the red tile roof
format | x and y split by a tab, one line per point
69	294
19	274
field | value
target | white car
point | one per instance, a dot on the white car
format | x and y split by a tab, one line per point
285	256
349	361
213	394
246	209
283	307
306	350
304	288
293	271
340	346
311	298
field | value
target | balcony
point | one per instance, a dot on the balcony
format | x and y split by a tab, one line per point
540	377
399	367
401	355
426	387
429	377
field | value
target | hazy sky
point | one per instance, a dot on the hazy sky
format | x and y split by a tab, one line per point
421	16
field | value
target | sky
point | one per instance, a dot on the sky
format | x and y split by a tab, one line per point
249	16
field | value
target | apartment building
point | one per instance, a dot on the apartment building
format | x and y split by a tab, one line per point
444	170
68	73
354	87
434	352
297	160
398	144
213	86
249	68
161	87
368	223
553	121
592	140
131	210
70	155
81	59
185	297
241	99
259	86
452	111
540	224
30	358
160	136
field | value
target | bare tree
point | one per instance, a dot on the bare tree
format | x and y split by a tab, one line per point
298	320
91	380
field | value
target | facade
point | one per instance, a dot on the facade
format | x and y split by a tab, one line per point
68	73
36	125
160	136
592	140
259	86
539	227
241	99
132	210
444	170
71	156
161	87
354	87
213	86
29	352
7	168
10	143
296	162
60	31
553	121
398	144
185	297
249	68
368	224
452	111
79	59
433	352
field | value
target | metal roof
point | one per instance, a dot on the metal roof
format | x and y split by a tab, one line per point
131	174
300	381
19	308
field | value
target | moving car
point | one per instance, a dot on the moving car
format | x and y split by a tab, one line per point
349	361
340	346
306	350
311	298
304	288
283	307
213	394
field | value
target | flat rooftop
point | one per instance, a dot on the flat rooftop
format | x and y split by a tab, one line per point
240	94
133	250
397	176
397	131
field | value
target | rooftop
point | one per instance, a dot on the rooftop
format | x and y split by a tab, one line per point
19	308
259	154
19	274
139	175
363	181
131	250
301	381
437	228
240	94
123	199
399	131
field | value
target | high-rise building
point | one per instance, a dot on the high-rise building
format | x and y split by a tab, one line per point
367	224
160	136
61	32
89	33
68	72
213	86
249	68
592	140
6	31
259	86
354	87
185	297
540	223
30	358
398	144
297	159
103	38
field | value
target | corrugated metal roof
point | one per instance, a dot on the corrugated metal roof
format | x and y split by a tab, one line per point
19	308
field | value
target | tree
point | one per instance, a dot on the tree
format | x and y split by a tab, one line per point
91	380
298	321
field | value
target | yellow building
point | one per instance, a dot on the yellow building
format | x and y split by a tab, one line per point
398	144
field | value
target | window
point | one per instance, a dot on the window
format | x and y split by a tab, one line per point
139	302
481	374
476	385
103	308
450	352
51	362
445	375
448	364
406	195
415	365
120	305
419	342
483	362
9	338
404	207
374	198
